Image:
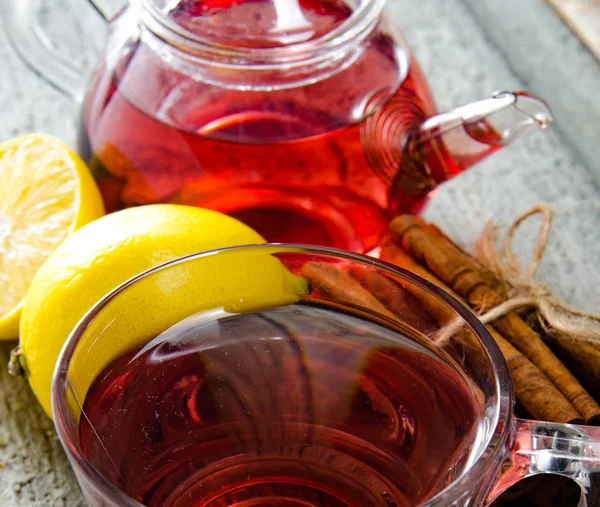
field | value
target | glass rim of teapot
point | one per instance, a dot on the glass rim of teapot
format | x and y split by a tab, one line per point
351	31
499	411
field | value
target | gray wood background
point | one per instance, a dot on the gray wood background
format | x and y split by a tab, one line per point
468	48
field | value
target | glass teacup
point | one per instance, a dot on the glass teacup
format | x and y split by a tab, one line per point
276	375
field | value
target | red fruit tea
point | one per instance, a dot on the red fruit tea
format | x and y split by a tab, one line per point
299	406
289	162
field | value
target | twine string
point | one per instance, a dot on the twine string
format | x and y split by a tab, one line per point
525	291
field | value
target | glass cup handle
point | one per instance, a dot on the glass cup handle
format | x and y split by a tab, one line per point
562	449
36	50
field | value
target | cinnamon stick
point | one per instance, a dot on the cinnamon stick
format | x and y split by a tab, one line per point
400	301
330	279
512	326
584	357
392	253
472	281
581	356
533	389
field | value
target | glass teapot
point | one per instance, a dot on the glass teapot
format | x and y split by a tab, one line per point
309	120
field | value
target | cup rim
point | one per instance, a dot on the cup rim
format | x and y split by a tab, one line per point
487	459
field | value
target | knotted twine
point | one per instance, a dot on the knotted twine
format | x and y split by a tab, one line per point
525	292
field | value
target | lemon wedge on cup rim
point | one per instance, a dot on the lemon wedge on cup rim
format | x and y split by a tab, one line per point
46	193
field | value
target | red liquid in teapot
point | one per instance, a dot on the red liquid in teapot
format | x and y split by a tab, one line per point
300	406
289	163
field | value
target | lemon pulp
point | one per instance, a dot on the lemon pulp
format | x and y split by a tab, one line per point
46	192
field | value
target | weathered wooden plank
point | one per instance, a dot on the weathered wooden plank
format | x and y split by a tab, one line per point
583	16
543	53
35	471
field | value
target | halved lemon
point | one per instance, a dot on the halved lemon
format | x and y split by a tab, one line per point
46	192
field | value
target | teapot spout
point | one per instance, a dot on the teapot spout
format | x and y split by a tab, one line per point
460	138
448	143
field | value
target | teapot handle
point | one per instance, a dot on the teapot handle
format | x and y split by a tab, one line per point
37	51
108	10
549	448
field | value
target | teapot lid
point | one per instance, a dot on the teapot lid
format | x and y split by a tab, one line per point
256	23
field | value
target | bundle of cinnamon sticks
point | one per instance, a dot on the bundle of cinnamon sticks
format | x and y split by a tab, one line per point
545	388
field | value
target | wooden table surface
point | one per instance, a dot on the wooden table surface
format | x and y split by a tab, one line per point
468	49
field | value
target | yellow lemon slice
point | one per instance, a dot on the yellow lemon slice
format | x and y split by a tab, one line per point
46	192
103	254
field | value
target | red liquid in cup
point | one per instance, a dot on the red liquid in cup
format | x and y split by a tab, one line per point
300	406
289	163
